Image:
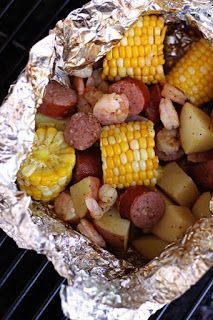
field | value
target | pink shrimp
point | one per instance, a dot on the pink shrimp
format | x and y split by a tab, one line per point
112	108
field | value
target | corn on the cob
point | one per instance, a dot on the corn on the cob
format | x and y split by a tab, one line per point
140	53
48	169
193	74
128	155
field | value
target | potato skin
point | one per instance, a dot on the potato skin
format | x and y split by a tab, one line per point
202	173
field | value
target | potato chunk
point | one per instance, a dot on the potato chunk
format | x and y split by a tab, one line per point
89	186
174	223
149	246
178	185
201	207
164	197
196	129
114	229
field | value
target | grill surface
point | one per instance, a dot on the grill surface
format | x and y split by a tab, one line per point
29	286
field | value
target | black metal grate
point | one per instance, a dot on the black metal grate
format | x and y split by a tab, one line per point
29	286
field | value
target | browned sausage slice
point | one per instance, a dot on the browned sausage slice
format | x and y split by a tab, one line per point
143	206
136	92
82	130
152	110
58	100
88	163
202	173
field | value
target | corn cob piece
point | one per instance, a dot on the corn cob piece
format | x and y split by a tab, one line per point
193	74
128	155
140	53
48	169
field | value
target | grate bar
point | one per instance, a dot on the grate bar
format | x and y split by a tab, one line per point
3	240
17	65
6	8
16	43
199	300
12	267
48	300
162	312
24	292
4	46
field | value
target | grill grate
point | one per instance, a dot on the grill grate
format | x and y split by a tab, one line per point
29	286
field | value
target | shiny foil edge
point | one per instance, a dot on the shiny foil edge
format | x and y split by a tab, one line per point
91	272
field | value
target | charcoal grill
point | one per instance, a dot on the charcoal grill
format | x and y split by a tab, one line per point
29	285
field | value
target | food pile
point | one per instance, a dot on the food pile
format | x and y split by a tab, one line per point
126	154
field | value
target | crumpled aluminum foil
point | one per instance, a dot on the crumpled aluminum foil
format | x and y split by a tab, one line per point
100	286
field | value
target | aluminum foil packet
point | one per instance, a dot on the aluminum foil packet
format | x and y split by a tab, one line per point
100	286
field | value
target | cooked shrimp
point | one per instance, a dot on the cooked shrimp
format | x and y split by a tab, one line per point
173	93
111	108
83	105
168	141
92	95
107	198
168	114
78	85
86	228
107	194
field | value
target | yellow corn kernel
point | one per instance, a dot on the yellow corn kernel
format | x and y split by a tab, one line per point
110	163
137	163
113	72
122	72
138	52
115	52
193	74
49	151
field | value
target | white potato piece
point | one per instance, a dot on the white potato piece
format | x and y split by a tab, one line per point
174	223
44	121
87	187
165	197
114	229
201	207
178	185
196	129
149	246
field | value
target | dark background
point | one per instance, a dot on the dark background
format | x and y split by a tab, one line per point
29	286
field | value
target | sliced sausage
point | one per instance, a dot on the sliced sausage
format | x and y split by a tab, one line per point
82	130
143	206
200	156
202	173
152	110
58	100
169	157
136	92
88	163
